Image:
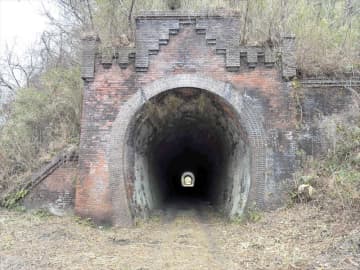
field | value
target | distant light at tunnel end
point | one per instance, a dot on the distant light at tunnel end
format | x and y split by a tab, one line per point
187	179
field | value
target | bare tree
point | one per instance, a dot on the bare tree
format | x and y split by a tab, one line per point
16	73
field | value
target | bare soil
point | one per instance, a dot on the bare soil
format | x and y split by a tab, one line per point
302	237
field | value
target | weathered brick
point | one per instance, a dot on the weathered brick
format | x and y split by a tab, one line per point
171	52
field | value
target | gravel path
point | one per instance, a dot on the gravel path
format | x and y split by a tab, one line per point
302	237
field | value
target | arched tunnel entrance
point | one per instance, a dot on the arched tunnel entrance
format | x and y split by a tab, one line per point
187	130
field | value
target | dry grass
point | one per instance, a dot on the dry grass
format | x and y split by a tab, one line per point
302	237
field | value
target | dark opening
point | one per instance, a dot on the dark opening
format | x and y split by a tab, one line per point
193	147
192	130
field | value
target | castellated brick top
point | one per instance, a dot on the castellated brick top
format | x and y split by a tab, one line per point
154	29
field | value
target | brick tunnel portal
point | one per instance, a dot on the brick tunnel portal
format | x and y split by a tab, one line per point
187	129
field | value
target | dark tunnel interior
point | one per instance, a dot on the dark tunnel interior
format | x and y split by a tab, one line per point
182	130
200	152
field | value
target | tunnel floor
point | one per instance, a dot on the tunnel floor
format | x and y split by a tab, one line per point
186	202
185	205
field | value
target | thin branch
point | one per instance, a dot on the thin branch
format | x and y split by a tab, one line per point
11	70
90	14
130	13
243	38
6	84
69	6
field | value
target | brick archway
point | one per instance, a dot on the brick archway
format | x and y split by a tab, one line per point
120	157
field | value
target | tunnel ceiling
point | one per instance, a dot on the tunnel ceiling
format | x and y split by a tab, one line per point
185	109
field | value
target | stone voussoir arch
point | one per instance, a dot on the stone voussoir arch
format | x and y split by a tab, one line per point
117	149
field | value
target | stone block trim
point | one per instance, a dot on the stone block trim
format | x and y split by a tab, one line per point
124	56
149	35
288	57
155	30
89	51
331	82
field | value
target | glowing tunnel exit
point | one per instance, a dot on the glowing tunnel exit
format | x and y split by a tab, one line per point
188	179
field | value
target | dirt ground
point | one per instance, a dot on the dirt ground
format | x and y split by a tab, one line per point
301	237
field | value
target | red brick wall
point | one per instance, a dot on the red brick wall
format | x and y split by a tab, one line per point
56	192
186	53
207	47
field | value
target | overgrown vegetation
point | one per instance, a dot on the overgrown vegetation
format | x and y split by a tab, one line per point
40	123
337	176
327	31
45	85
12	200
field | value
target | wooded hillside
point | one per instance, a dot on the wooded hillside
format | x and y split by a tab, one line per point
45	86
